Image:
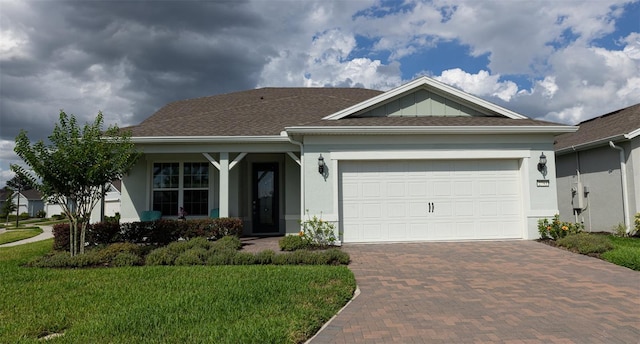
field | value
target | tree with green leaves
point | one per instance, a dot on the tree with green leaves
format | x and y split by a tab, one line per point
74	168
8	206
18	184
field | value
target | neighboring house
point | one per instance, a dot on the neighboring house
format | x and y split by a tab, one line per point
598	171
4	194
110	204
30	202
423	161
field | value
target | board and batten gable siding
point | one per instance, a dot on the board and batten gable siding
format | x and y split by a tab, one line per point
421	103
321	194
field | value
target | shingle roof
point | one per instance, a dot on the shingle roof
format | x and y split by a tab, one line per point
268	111
264	111
32	194
611	125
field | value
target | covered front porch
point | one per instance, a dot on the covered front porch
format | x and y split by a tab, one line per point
259	183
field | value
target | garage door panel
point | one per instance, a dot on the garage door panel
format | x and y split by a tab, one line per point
396	189
390	200
464	208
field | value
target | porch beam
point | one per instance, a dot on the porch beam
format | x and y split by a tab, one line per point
212	160
295	158
224	184
237	160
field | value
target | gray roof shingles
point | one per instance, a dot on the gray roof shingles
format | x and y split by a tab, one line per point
610	125
268	111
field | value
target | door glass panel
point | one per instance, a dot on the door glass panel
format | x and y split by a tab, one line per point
265	196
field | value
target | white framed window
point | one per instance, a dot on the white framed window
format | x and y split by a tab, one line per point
177	184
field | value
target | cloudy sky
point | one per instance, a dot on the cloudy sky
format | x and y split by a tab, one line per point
564	61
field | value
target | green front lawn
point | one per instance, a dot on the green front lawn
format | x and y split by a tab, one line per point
626	252
166	304
18	234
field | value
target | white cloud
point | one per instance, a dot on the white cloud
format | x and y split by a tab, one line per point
479	84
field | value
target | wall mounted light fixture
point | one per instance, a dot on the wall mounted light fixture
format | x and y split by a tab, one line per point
542	165
320	164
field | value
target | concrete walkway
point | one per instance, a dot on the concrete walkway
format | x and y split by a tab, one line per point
485	292
47	233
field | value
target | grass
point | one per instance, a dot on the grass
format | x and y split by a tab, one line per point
18	234
623	251
626	252
166	304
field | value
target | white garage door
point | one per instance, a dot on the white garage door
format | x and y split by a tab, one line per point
430	200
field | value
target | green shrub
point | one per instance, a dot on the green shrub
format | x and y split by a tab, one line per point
624	256
109	253
586	243
222	257
244	258
318	232
193	256
637	225
41	214
332	256
227	242
292	243
557	229
265	257
126	259
161	256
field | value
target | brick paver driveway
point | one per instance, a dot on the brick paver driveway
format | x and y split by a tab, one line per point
486	292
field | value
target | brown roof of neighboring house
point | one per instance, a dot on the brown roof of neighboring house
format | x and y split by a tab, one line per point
258	112
608	126
32	194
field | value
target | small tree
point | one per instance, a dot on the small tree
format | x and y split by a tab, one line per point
8	206
73	169
18	183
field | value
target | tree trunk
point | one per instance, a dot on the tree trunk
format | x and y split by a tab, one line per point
83	228
18	212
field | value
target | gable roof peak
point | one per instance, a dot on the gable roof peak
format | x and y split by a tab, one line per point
425	82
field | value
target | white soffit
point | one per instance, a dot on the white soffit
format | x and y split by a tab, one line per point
423	82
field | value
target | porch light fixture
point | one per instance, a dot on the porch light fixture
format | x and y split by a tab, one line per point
321	164
542	165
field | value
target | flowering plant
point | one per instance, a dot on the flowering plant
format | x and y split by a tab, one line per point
557	229
318	232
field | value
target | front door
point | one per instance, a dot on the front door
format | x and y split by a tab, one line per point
265	198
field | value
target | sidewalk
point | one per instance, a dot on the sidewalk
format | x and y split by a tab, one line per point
47	233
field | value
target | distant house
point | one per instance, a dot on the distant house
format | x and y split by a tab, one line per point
423	161
4	193
598	170
30	202
109	206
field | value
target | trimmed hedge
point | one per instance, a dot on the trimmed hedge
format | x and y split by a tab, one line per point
160	232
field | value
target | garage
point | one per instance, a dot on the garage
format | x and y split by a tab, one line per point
424	200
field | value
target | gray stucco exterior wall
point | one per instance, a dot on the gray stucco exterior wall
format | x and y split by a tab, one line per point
599	171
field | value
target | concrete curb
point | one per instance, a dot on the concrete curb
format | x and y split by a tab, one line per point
355	295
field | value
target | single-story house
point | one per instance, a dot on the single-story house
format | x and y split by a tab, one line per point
30	202
423	161
598	171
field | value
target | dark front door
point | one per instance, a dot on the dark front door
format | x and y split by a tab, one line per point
265	198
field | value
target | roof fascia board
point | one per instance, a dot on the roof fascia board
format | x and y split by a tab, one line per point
633	134
592	144
415	84
208	139
431	130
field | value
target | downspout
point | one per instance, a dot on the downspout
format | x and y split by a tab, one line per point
299	144
623	177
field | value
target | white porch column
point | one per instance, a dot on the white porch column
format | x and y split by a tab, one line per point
224	184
